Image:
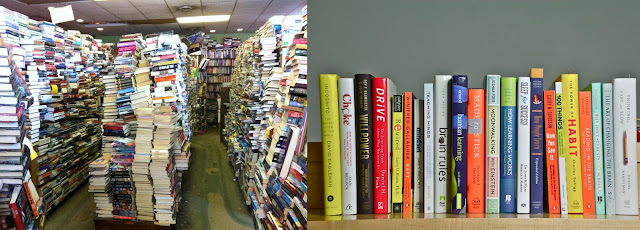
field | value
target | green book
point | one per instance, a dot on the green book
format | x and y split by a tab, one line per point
598	150
331	148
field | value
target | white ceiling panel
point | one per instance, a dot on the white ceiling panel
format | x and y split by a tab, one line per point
146	3
156	16
182	2
126	17
187	14
120	11
162	10
115	4
217	8
104	17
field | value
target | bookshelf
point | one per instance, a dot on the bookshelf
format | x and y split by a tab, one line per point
218	75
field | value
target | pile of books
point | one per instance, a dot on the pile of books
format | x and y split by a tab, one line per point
142	158
100	186
120	173
163	166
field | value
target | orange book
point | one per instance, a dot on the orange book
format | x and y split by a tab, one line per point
475	151
407	187
586	140
166	78
551	154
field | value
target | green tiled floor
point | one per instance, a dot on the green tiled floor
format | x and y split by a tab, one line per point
211	199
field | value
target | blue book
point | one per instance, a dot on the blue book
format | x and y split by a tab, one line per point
508	117
537	141
598	146
459	96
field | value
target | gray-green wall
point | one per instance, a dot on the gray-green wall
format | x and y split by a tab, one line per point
214	36
411	41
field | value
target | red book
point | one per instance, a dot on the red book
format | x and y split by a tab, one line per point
407	186
382	148
586	150
15	206
476	151
551	153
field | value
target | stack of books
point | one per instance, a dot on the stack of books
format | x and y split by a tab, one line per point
142	158
35	75
120	172
163	166
100	186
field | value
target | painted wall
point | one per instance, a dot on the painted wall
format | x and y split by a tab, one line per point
214	36
411	41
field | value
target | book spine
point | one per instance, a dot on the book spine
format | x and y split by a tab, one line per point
32	202
508	98
441	120
428	136
476	151
562	169
537	142
17	217
330	122
381	145
493	144
624	147
598	156
459	101
364	129
407	190
607	139
586	133
571	141
418	156
524	145
553	191
348	137
397	154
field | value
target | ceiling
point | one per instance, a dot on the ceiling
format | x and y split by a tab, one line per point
246	14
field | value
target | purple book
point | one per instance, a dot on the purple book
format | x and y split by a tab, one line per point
459	96
537	142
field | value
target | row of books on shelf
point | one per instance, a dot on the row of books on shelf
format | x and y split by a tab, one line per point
510	147
222	54
220	63
225	43
218	79
220	70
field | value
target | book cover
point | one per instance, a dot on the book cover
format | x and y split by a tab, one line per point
330	121
508	102
383	89
348	138
624	147
586	133
524	145
407	186
598	157
429	148
562	169
442	110
607	147
397	151
536	180
418	156
492	84
364	142
475	151
459	101
552	190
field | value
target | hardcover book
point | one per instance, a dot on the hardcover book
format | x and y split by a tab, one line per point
397	151
562	169
536	180
407	190
383	89
624	147
553	184
598	156
364	142
348	137
475	151
418	156
330	121
429	148
524	144
492	84
607	139
442	110
508	99
588	195
459	101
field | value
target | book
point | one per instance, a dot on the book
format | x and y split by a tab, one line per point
588	193
624	147
15	205
383	90
551	153
407	186
607	147
442	111
524	145
476	151
348	141
508	102
492	85
429	147
562	169
459	101
598	153
330	123
418	156
537	142
397	151
364	140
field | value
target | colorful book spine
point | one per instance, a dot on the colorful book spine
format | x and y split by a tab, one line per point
571	141
492	84
598	153
475	151
429	148
537	141
508	101
607	147
553	184
524	145
418	155
383	88
364	129
330	121
348	137
562	169
442	116
586	133
624	147
397	154
407	190
459	101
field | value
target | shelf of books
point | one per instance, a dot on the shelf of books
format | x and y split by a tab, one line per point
197	105
221	58
507	153
266	123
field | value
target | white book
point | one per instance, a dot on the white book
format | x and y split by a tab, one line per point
607	140
442	111
428	149
293	143
492	85
624	147
418	155
524	145
562	165
348	139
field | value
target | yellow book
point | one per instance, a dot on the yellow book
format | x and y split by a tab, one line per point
571	140
331	148
396	153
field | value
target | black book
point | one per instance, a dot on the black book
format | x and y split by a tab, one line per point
364	143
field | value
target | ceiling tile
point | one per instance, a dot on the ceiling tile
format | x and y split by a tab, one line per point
183	2
157	16
115	4
187	14
127	17
217	8
160	10
120	11
145	3
105	17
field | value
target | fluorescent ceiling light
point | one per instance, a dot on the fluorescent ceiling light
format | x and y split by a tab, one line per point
79	20
100	29
239	29
105	24
212	31
210	18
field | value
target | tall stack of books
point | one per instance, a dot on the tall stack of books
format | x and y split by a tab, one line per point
163	166
100	186
35	75
126	63
120	173
142	158
109	110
